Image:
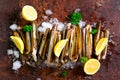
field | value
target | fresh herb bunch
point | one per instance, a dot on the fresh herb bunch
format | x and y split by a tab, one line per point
83	59
75	17
27	28
64	73
94	31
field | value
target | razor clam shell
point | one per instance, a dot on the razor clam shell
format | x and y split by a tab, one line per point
22	35
104	52
65	49
43	43
64	34
79	41
58	38
34	54
97	35
28	43
101	36
83	42
72	45
34	41
88	41
46	45
41	34
54	43
73	55
51	46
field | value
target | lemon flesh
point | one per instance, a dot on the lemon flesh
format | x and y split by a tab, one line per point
29	13
101	45
59	46
91	66
18	42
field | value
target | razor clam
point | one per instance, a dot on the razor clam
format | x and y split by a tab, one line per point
46	46
34	42
106	34
73	55
51	45
58	38
43	43
88	41
64	34
101	36
83	42
97	35
28	43
41	34
65	49
79	41
54	43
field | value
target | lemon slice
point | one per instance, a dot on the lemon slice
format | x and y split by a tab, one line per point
91	66
59	46
29	13
101	45
18	42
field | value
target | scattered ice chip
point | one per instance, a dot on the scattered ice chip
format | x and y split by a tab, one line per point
16	54
61	26
41	29
45	17
16	65
94	25
53	20
82	23
38	79
68	65
47	25
13	27
77	10
9	51
48	12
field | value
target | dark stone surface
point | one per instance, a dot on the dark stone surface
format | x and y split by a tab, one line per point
93	10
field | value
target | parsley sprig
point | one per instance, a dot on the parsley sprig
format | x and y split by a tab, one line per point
27	28
64	73
83	59
94	31
75	17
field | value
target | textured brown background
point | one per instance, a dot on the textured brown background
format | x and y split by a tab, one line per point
109	13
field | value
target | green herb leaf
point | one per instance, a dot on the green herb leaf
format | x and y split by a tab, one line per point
83	59
75	18
27	28
64	73
94	31
74	22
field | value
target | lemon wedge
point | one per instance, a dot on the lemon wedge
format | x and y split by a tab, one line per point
59	46
91	66
102	43
29	13
18	42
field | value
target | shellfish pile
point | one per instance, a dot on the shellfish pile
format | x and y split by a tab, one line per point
39	46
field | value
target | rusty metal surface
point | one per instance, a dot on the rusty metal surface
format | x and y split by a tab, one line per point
93	10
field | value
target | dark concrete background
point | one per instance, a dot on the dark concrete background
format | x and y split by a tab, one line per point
109	13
